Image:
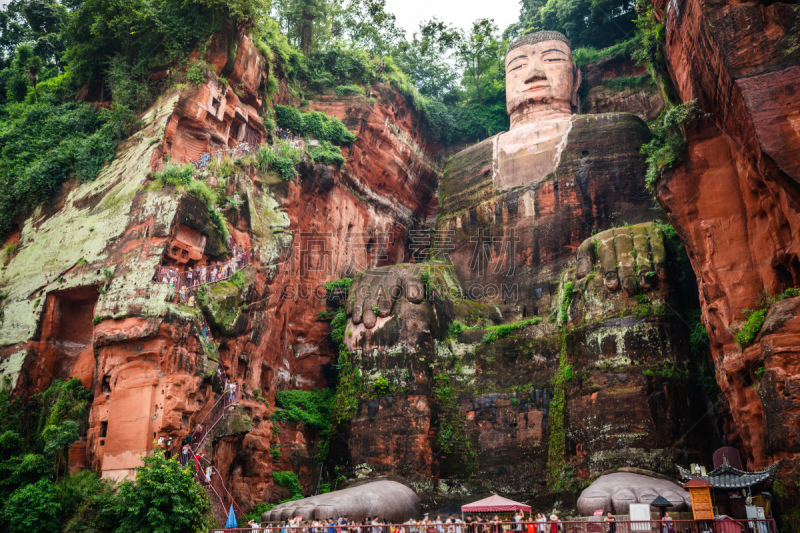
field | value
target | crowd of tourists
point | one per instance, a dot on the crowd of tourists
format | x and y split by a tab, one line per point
286	135
239	150
451	524
520	523
192	278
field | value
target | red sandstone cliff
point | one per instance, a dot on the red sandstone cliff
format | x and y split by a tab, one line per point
95	312
736	203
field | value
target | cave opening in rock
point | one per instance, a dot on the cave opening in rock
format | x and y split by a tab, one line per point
67	331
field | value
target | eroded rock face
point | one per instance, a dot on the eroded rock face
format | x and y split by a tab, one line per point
617	84
457	403
94	311
735	201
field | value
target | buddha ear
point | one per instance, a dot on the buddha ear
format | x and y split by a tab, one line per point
576	86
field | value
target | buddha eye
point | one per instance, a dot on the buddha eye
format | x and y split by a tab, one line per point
516	68
553	60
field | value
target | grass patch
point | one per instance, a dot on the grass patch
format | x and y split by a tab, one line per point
585	55
498	332
626	82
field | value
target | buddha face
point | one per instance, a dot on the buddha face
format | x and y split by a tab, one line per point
541	79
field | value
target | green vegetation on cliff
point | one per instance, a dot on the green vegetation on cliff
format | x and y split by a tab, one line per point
558	421
41	497
452	436
755	318
668	146
312	408
56	52
289	480
44	144
323	127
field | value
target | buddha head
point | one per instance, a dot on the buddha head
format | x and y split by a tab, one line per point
541	79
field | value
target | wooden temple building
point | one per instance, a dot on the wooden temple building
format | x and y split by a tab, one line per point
734	491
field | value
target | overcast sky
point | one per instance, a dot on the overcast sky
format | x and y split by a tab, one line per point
461	13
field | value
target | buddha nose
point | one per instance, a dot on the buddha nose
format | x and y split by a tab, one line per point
534	74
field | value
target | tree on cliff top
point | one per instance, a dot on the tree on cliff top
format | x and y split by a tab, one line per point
593	23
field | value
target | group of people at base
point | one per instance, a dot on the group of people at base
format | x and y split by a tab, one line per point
452	524
533	523
611	523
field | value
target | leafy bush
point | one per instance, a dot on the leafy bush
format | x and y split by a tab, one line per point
282	158
755	319
343	283
327	154
320	125
338	326
222	168
289	118
381	386
668	145
334	131
258	509
271	42
174	174
477	121
347	90
339	66
290	481
238	279
196	74
202	192
165	498
312	408
34	508
219	220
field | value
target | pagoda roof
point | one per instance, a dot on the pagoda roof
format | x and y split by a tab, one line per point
728	477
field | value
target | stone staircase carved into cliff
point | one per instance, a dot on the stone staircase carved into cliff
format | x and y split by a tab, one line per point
221	498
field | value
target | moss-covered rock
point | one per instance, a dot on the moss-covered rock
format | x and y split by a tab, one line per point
222	302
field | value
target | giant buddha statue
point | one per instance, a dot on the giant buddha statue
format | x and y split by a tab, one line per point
516	206
549	219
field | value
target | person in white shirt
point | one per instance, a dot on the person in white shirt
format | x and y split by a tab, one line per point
542	521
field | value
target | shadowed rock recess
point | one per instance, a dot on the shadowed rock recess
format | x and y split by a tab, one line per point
516	319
